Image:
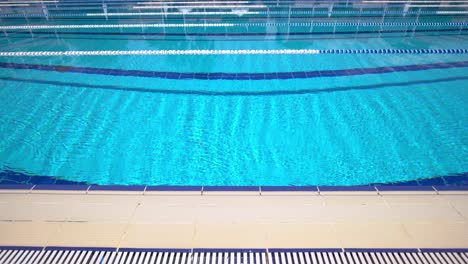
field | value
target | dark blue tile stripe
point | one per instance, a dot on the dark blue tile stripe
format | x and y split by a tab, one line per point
451	187
289	188
116	188
20	248
230	188
236	76
175	250
174	188
389	188
15	186
216	250
366	188
58	187
450	182
82	248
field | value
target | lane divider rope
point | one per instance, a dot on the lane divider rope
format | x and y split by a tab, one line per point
176	13
229	52
304	24
298	12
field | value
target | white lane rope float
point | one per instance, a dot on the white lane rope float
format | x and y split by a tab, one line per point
229	52
190	25
260	12
118	26
174	13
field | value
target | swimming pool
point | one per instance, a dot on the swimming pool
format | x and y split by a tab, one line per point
274	93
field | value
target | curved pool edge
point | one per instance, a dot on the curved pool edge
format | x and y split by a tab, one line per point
10	180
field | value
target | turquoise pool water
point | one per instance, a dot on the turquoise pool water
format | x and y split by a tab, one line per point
349	129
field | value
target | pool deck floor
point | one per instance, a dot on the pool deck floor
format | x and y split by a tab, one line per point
234	219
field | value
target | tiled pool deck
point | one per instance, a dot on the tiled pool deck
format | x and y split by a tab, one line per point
268	217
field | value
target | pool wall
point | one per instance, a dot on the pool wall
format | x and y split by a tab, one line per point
15	180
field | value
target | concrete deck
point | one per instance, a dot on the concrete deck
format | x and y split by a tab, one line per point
234	219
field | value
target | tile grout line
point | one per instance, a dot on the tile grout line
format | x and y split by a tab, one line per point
129	223
458	212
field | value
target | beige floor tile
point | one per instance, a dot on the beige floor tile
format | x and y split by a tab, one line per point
438	235
426	208
5	191
406	193
302	236
459	203
159	236
414	199
148	214
114	193
62	192
14	197
229	236
264	209
348	193
355	208
353	200
27	233
38	207
166	210
355	212
105	208
233	220
424	213
373	235
453	193
229	209
88	235
292	200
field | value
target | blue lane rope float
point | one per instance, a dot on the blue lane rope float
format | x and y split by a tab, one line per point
317	12
281	24
229	52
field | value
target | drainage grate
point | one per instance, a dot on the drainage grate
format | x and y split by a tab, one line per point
367	256
229	256
71	255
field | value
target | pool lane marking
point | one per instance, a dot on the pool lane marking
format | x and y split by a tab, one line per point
229	52
13	5
294	24
298	12
234	76
192	2
119	26
200	6
157	34
452	12
173	13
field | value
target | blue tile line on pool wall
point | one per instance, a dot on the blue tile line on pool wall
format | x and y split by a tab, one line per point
20	181
238	76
